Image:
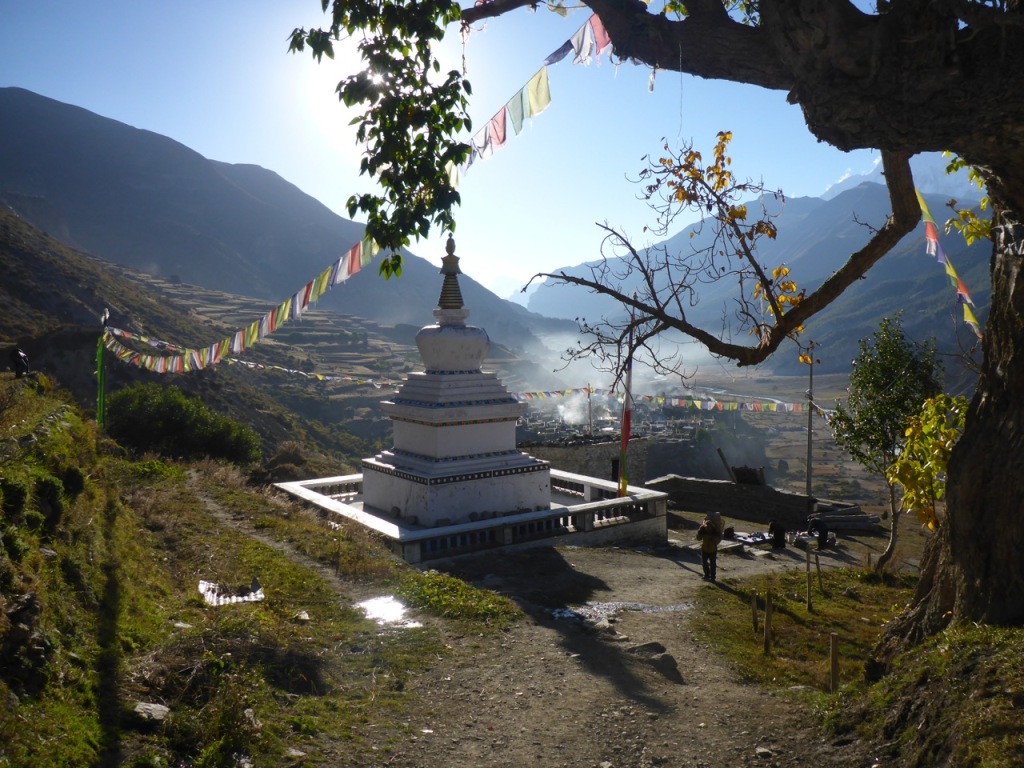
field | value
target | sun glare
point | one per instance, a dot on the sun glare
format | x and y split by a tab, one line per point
323	108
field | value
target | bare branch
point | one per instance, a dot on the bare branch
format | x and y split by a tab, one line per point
655	309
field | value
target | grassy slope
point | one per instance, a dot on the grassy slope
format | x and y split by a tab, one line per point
954	701
99	609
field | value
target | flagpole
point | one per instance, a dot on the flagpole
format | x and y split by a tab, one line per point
627	415
101	400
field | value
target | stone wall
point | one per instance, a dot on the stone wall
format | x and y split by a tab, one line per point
753	503
594	459
651	457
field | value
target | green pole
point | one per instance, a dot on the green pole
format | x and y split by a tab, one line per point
100	394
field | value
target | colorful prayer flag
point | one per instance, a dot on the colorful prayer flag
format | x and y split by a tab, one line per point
539	92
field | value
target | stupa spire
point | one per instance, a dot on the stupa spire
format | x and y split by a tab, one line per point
451	296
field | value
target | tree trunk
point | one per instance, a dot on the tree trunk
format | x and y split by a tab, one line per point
974	568
894	516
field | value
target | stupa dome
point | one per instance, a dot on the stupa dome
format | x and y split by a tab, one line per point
451	345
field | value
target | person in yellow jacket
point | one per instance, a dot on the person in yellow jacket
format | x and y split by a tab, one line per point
710	536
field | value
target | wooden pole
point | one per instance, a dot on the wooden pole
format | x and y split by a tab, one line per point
833	653
768	624
753	609
809	607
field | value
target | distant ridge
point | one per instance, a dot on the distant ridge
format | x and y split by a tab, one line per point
815	237
143	200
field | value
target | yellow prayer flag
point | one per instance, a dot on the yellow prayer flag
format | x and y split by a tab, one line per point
539	92
323	282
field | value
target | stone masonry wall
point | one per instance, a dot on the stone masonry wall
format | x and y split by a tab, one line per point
595	460
753	503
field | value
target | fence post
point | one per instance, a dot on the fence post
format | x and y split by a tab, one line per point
809	608
833	653
768	624
753	608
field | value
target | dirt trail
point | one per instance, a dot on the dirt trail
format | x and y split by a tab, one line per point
560	692
634	690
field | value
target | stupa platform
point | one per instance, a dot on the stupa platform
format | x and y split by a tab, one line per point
584	511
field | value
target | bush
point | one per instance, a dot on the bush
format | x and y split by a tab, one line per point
149	417
14	493
14	543
50	500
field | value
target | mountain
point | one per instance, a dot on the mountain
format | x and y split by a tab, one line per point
151	204
815	236
929	176
145	201
318	381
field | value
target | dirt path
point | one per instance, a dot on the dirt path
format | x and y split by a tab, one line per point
630	687
638	692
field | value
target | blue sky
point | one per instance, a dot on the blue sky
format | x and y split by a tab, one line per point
216	76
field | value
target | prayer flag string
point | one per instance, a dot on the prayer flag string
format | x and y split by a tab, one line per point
934	248
588	43
185	360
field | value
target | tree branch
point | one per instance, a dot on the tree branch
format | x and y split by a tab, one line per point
706	43
906	215
493	9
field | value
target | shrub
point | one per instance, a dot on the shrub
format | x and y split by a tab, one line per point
14	543
50	500
149	417
14	493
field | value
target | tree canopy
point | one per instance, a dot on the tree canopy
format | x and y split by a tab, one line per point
891	379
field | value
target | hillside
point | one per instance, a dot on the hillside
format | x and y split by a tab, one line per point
113	656
55	297
148	203
144	201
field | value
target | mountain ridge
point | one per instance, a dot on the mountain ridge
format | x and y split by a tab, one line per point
134	197
143	200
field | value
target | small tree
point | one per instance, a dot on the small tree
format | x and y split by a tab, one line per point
891	379
921	467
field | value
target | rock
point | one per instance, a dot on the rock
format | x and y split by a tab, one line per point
667	665
647	649
151	712
302	617
654	654
763	753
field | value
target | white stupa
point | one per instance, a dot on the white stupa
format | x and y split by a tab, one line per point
454	483
454	458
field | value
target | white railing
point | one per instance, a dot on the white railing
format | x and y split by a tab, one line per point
581	505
